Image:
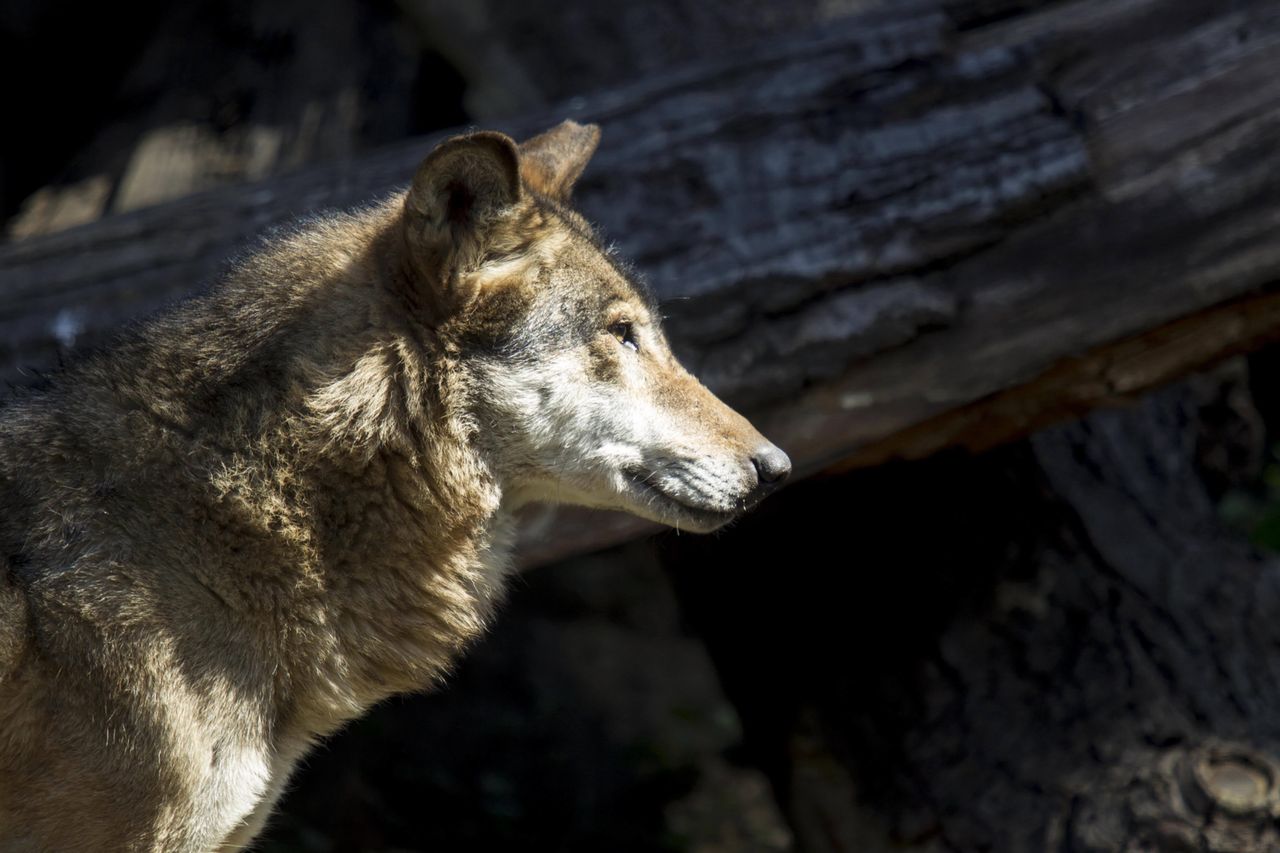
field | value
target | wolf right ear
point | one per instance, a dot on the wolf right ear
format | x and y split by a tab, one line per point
463	187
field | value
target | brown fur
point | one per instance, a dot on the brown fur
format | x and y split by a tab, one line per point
270	508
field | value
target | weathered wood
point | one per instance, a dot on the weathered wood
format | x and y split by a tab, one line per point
1054	647
860	230
1111	374
521	54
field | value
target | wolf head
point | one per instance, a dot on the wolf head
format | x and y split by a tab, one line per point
571	384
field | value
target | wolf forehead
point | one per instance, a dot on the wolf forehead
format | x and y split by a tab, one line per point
556	286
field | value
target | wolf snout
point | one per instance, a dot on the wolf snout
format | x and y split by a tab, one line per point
772	467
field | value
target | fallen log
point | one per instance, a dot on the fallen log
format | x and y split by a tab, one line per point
926	225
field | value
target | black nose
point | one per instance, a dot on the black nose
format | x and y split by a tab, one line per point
772	465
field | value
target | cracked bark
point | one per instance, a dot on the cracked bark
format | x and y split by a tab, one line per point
1053	647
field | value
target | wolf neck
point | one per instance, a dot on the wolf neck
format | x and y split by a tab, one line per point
373	529
416	524
416	537
411	562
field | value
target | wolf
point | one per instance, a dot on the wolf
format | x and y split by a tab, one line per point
263	511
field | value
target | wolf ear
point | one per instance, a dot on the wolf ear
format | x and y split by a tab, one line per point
463	187
551	162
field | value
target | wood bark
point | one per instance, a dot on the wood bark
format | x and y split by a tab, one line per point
1055	647
521	54
871	237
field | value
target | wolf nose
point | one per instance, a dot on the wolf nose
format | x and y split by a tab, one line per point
772	465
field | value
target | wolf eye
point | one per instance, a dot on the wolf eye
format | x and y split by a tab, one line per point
625	335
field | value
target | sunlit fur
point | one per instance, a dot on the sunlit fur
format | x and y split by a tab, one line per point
264	511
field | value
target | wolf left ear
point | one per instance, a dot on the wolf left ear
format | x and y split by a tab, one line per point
464	187
552	162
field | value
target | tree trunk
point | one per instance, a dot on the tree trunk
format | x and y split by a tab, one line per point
873	237
1050	648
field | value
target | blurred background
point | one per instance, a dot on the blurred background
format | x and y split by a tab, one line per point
999	274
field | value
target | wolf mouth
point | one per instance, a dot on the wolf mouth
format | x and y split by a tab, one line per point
704	516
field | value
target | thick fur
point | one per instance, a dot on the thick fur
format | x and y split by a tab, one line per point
278	504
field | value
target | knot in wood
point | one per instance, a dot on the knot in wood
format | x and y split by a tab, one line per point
1230	780
1235	783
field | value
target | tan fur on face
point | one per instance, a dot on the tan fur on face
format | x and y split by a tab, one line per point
263	512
